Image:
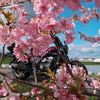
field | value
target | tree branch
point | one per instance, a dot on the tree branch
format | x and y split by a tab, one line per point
62	56
86	91
2	55
5	5
24	82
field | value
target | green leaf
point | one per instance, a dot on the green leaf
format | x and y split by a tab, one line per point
1	22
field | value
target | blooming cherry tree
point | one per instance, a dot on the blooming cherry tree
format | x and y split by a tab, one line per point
35	36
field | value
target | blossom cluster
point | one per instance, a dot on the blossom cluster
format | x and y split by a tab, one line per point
34	37
3	90
87	15
35	34
7	2
92	39
63	86
64	81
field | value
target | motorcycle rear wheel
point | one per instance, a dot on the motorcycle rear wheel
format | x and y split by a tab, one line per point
79	64
22	75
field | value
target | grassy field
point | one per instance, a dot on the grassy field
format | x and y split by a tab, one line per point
90	63
7	60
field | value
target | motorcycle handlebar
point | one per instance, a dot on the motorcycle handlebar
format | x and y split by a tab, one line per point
63	47
58	41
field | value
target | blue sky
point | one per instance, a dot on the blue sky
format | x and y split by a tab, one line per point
80	48
91	28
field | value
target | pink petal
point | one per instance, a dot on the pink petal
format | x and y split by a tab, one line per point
88	0
97	2
73	4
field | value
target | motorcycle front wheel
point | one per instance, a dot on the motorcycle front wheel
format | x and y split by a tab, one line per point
79	64
22	75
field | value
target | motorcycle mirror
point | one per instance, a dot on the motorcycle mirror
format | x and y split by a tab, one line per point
64	42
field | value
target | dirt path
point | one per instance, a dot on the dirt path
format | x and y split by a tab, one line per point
8	72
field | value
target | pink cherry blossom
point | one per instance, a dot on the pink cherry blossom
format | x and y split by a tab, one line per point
4	30
73	4
22	16
52	24
3	91
61	93
4	34
97	2
14	97
92	39
42	7
66	24
19	54
58	9
70	38
95	14
84	20
95	83
36	33
52	14
34	91
15	7
88	0
39	98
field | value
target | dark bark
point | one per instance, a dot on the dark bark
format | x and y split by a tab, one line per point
2	55
35	75
62	56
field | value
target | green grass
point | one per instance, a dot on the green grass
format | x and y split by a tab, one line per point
6	61
92	98
19	87
90	63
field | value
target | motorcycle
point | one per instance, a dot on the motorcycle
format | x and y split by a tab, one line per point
49	59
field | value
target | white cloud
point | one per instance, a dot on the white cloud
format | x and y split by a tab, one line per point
96	45
87	50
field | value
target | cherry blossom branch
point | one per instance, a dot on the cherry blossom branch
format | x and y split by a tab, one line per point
34	67
5	5
10	92
27	94
91	92
86	91
35	75
61	55
2	55
24	82
90	39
